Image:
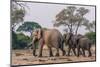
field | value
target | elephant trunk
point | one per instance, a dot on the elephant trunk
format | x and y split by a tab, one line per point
34	46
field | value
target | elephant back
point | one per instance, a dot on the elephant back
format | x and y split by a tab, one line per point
52	37
83	40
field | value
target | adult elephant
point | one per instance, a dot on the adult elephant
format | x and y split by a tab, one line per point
72	41
49	37
85	44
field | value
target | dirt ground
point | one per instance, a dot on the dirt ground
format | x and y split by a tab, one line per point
24	57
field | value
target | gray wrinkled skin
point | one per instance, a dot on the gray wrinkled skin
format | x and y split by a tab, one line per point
85	44
71	41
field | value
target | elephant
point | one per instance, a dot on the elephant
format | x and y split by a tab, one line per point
49	37
70	40
85	44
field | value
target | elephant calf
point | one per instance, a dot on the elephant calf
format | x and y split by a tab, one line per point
85	44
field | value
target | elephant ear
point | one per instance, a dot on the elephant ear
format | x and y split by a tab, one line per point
39	33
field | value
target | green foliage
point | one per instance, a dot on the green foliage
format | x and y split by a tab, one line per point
90	26
17	16
14	40
19	41
71	17
91	36
28	26
18	12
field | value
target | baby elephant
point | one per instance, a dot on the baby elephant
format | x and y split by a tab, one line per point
85	44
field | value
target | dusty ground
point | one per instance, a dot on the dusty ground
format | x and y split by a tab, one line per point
24	57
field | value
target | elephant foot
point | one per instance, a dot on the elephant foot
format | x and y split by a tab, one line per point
89	55
77	55
40	55
84	56
34	55
57	54
51	55
64	53
67	55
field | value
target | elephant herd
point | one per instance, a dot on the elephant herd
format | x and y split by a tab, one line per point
79	42
54	39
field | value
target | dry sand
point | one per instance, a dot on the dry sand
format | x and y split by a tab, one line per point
24	57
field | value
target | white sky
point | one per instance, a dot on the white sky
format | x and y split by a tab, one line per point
44	14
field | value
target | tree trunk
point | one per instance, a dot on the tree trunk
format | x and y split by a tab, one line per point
77	27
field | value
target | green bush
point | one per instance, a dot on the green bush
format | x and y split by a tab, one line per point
19	41
91	36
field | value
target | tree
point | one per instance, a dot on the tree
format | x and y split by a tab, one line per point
28	26
71	17
17	13
90	26
14	40
91	36
20	41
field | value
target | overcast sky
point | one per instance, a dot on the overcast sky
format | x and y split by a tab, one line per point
44	14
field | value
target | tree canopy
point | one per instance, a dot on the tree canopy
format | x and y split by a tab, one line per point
91	36
71	17
28	26
19	41
90	26
18	12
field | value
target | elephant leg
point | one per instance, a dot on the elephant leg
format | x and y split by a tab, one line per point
57	54
74	51
78	51
69	51
40	51
50	52
90	54
63	51
41	43
83	50
34	50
